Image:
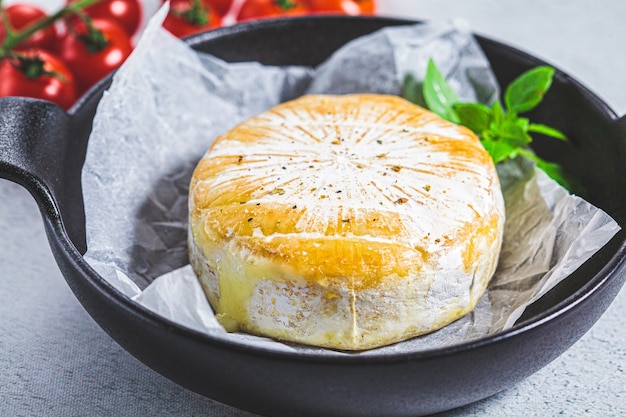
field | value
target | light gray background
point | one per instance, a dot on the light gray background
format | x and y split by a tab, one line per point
55	361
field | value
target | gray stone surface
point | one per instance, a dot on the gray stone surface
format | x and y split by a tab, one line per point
55	361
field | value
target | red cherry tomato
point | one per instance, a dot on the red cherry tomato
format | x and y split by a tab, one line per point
22	15
262	9
91	59
127	13
185	20
350	7
220	6
38	74
367	6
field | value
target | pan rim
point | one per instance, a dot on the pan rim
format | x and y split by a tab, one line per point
595	283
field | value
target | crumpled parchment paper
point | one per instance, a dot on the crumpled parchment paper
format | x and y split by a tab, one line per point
167	104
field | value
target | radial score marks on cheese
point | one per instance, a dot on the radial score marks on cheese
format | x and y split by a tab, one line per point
347	222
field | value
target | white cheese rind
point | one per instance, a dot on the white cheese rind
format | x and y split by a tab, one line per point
440	215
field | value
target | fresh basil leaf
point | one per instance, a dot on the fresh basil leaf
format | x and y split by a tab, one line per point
527	90
510	130
499	150
412	90
554	171
547	130
438	94
475	116
502	132
522	122
497	113
514	134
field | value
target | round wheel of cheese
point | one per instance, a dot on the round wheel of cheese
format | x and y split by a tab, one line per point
347	222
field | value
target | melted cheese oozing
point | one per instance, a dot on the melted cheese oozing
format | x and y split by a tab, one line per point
347	222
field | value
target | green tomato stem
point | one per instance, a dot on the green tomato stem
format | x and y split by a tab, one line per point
197	14
286	4
14	38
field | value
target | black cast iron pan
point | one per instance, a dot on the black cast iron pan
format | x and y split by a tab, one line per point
42	147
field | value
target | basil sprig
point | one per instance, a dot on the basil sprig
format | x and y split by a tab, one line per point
503	133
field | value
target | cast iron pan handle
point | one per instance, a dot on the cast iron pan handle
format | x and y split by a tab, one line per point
34	137
31	147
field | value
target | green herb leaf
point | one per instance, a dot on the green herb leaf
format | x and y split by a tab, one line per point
502	132
554	171
521	122
438	94
497	112
412	90
527	90
475	116
547	130
515	135
499	150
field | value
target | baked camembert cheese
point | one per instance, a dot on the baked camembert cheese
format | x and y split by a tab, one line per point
347	222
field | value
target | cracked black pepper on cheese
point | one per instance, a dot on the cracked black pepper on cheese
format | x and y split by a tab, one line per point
347	222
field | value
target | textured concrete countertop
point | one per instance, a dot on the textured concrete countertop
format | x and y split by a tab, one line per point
55	361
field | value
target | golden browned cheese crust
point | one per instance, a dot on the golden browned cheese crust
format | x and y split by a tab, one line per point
347	222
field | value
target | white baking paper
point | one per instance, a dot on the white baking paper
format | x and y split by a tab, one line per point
167	104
